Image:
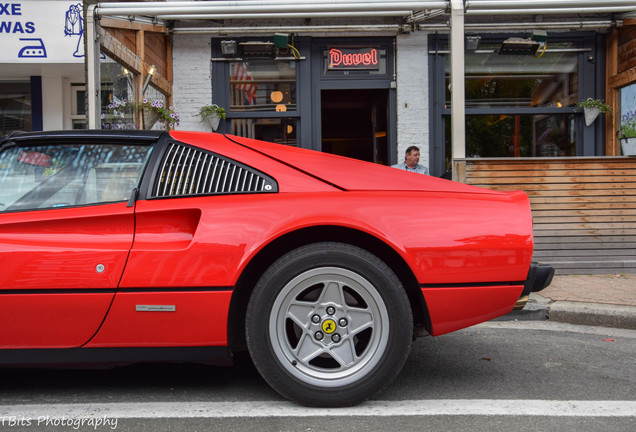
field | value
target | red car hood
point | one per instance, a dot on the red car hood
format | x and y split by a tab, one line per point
353	174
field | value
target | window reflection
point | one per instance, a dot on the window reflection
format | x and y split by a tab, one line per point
40	177
117	89
263	85
628	104
15	106
117	83
494	80
278	130
518	135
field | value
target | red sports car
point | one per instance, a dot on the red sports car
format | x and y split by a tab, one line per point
185	246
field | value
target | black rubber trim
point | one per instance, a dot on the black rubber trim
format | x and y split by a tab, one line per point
68	356
114	290
470	285
539	277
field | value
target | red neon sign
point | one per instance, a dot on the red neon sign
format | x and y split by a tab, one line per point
353	58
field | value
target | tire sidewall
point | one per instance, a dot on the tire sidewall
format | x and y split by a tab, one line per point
353	259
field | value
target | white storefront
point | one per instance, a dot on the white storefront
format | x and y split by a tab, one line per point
41	65
192	87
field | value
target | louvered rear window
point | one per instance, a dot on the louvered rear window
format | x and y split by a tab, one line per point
188	171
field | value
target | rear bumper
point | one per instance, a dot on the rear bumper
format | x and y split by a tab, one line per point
539	277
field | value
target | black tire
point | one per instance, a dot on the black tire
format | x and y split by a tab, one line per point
329	324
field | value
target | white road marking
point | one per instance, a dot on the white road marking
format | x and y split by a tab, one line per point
451	407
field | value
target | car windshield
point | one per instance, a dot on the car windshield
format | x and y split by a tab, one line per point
52	176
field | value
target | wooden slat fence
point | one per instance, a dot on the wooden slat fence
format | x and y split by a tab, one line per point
584	209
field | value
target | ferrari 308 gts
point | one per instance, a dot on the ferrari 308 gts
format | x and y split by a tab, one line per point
128	246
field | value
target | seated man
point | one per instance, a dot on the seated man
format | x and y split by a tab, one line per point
411	161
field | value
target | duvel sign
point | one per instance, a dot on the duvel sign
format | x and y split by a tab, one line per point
353	58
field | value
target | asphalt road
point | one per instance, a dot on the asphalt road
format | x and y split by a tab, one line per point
504	376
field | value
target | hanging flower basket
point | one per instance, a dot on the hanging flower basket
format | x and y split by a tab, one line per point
156	111
213	120
212	114
150	117
590	115
592	108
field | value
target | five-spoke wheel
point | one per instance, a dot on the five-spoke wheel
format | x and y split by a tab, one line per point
329	324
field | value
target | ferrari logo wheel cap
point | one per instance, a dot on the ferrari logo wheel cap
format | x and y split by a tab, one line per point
329	326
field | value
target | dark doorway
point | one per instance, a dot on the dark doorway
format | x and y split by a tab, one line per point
354	123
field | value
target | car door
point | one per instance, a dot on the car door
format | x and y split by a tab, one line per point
66	228
177	285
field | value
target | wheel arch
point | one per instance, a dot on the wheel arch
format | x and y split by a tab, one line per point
290	241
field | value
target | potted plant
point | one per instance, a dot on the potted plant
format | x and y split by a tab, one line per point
212	114
627	134
592	108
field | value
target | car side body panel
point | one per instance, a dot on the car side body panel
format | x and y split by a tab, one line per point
218	236
60	270
165	319
61	248
51	320
454	308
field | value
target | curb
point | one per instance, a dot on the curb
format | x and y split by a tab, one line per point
540	308
593	314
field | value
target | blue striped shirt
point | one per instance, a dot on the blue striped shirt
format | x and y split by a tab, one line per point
421	169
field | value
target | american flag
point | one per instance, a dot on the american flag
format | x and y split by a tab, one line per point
243	80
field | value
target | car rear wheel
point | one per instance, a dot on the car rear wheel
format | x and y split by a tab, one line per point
329	324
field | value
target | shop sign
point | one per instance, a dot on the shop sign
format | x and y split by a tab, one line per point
41	32
353	58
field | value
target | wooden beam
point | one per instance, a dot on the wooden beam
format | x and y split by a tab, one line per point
139	91
611	68
459	170
169	66
622	79
119	52
131	25
140	48
132	61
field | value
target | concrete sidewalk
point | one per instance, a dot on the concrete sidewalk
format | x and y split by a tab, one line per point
597	300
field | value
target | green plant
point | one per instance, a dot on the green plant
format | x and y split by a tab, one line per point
628	125
209	110
593	103
167	115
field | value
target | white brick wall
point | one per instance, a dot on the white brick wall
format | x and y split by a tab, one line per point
192	87
412	95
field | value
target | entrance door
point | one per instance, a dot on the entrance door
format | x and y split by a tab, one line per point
354	123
